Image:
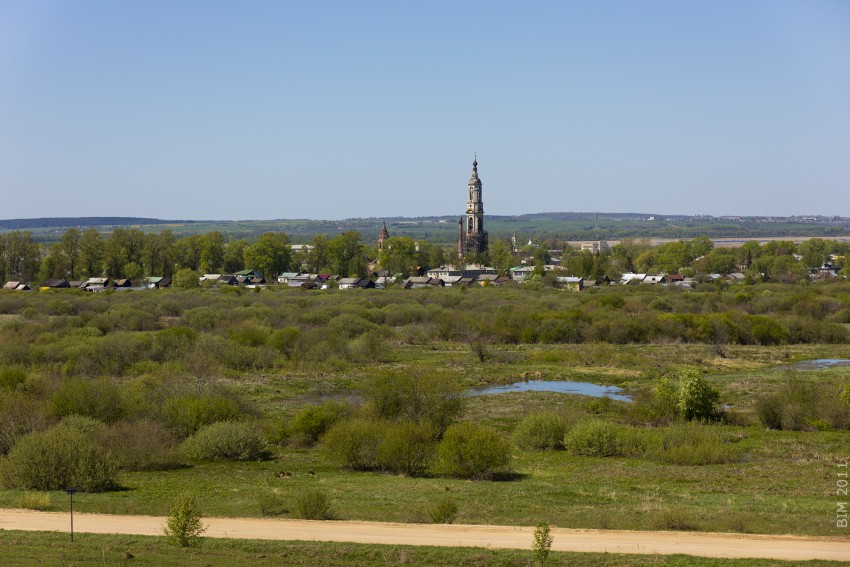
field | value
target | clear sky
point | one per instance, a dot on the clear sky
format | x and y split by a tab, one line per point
299	109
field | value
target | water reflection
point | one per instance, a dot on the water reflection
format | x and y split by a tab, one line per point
559	386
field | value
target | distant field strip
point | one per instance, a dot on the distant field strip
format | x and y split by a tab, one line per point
789	548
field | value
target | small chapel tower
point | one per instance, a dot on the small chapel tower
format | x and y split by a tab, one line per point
474	238
383	235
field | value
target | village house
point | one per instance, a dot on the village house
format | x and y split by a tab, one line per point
16	286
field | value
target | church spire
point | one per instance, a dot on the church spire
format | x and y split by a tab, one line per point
383	235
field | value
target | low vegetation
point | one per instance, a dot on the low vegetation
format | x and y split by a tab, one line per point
364	397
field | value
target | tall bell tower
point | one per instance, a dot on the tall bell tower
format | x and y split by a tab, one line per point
475	238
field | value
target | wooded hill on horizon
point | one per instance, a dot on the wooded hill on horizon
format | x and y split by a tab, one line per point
443	229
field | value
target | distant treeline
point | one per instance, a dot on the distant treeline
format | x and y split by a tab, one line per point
64	222
442	230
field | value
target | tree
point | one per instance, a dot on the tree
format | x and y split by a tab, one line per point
399	255
318	258
270	254
212	256
158	253
133	271
189	251
500	254
68	252
48	268
345	254
123	246
234	259
184	526
814	252
91	253
21	256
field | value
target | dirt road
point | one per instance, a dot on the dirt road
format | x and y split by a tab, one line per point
701	544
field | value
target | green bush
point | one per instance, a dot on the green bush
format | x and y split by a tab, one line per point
184	526
541	431
676	518
88	426
407	448
597	438
19	415
58	458
473	451
313	505
184	415
697	399
272	504
286	341
432	397
354	443
694	444
98	398
142	445
11	376
800	406
313	421
444	511
202	318
226	441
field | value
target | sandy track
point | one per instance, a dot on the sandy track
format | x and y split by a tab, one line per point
701	544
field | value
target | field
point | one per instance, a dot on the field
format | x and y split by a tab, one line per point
158	349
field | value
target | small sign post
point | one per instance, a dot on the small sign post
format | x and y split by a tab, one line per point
71	491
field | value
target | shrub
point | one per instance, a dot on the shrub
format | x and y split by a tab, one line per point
313	505
697	399
88	426
11	376
96	398
542	543
34	500
272	504
57	458
407	448
694	444
312	422
186	414
201	318
354	443
184	526
473	451
444	511
142	445
596	438
431	397
226	441
19	415
798	406
286	340
541	431
673	519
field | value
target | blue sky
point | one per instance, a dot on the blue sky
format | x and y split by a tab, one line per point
262	110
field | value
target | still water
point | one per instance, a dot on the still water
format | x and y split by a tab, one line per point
560	386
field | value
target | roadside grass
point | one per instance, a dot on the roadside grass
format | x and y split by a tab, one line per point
24	549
